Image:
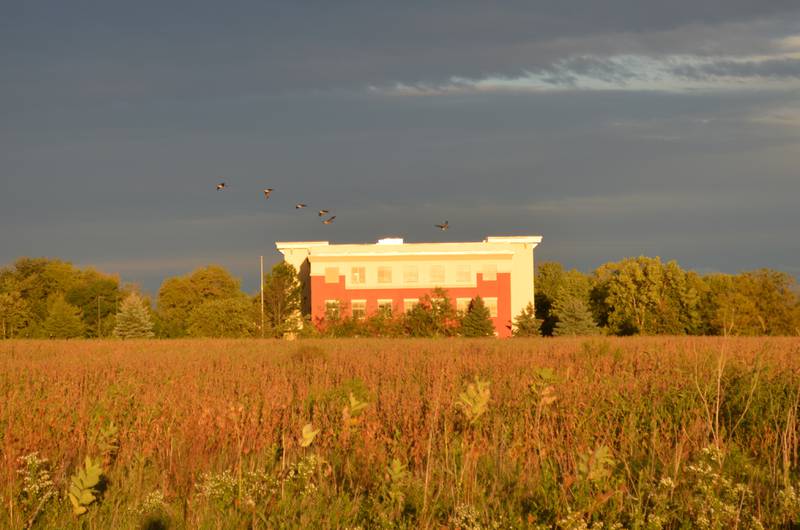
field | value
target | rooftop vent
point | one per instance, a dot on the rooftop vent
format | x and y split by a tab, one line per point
391	241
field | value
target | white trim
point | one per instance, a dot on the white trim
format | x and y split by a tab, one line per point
529	240
487	252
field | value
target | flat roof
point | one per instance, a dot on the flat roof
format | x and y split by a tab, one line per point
496	245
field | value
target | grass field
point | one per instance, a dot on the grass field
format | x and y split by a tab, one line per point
650	433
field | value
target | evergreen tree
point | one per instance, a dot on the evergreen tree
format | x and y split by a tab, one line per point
574	318
477	322
133	319
526	324
63	320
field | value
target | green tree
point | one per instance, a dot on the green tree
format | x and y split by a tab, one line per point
761	302
433	316
14	314
553	285
282	299
96	295
222	317
179	296
477	321
574	317
133	319
526	324
643	295
63	320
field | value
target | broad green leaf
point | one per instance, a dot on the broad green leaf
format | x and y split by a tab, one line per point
309	433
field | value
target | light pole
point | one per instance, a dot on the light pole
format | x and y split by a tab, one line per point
261	283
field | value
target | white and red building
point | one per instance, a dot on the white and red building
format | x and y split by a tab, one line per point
394	275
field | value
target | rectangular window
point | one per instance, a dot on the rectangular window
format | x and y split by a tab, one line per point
462	304
359	309
358	275
489	272
410	274
385	306
409	304
331	309
463	273
331	274
384	274
437	274
491	304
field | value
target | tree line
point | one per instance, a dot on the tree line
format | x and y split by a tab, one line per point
50	298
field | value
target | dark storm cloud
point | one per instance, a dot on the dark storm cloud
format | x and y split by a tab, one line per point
116	122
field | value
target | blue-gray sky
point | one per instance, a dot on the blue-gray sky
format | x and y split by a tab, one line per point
613	129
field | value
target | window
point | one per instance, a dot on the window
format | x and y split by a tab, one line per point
331	274
437	273
409	304
491	304
358	275
410	274
332	309
462	304
463	273
385	306
384	275
489	272
359	309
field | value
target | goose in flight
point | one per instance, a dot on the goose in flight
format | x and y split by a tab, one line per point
322	212
329	220
299	205
267	191
443	226
221	186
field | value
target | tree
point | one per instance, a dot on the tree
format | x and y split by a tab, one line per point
226	317
526	324
553	285
761	302
477	321
643	295
63	320
96	295
282	298
574	317
432	316
14	314
179	296
133	319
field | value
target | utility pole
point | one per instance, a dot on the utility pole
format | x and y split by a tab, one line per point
261	283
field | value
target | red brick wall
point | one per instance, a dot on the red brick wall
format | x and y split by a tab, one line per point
500	289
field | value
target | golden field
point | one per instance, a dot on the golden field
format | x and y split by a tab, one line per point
656	432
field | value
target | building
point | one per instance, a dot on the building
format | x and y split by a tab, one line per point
394	275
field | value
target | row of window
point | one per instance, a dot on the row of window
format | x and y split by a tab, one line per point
411	274
358	308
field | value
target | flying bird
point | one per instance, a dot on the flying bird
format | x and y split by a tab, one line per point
267	191
322	212
329	220
443	226
221	186
299	205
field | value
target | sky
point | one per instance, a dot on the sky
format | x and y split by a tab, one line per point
612	128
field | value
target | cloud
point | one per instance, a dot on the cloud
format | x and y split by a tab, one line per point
668	73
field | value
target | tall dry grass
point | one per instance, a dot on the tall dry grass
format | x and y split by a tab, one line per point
575	431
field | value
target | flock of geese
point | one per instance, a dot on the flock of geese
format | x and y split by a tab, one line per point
321	213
